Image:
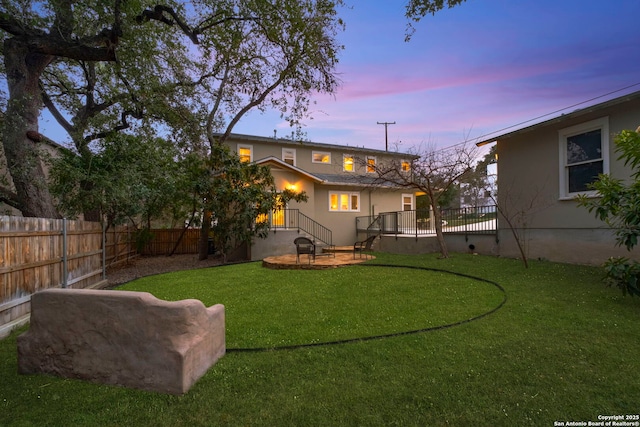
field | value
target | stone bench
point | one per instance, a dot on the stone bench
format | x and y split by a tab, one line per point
126	338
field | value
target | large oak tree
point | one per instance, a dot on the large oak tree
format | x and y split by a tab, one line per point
34	36
183	68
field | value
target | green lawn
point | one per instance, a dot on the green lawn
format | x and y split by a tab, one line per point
562	348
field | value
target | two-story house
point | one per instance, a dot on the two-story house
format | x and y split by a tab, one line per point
340	182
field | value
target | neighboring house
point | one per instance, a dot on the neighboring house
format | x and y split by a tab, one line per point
340	182
472	196
544	166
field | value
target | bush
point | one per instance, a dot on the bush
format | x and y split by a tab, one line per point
623	273
619	206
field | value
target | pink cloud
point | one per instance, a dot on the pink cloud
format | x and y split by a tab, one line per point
391	80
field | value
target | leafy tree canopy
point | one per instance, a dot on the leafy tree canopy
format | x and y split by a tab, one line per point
183	69
128	180
243	195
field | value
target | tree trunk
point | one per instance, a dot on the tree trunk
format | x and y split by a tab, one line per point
23	70
94	214
515	233
203	249
437	217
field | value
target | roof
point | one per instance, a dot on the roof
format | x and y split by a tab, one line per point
274	161
318	145
326	178
564	117
354	180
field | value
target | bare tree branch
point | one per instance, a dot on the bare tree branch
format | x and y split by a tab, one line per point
9	197
62	121
434	172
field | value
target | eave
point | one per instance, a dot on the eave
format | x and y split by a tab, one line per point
563	117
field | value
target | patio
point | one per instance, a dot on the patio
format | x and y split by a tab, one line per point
339	257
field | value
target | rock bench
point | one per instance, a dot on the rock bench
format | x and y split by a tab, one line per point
119	337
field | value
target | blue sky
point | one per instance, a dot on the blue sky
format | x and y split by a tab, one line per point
469	71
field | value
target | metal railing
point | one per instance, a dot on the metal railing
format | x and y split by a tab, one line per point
288	219
475	220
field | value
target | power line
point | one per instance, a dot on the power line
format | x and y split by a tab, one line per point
540	117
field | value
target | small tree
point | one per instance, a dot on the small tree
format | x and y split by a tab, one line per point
518	212
435	172
619	207
240	197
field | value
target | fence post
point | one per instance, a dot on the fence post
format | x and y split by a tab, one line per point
65	267
396	223
104	251
466	222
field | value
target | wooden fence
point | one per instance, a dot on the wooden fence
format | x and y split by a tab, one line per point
37	253
163	242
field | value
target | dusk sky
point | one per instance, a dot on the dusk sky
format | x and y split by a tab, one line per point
469	71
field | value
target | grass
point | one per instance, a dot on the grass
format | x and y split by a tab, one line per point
562	348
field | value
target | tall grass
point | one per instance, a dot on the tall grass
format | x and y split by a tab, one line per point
562	348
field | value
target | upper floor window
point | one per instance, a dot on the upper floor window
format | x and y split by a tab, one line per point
289	156
584	154
347	163
245	152
371	164
344	202
405	166
320	157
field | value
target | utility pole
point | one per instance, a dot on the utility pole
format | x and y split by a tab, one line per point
386	138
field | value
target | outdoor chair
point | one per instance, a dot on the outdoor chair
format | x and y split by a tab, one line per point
305	246
363	246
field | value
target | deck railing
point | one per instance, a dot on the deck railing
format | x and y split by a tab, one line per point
294	219
475	220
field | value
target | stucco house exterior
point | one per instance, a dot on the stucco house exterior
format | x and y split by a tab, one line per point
543	167
339	180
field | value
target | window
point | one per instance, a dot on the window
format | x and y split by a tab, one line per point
245	152
320	157
405	166
407	202
344	202
289	156
584	153
278	215
371	164
276	219
347	163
